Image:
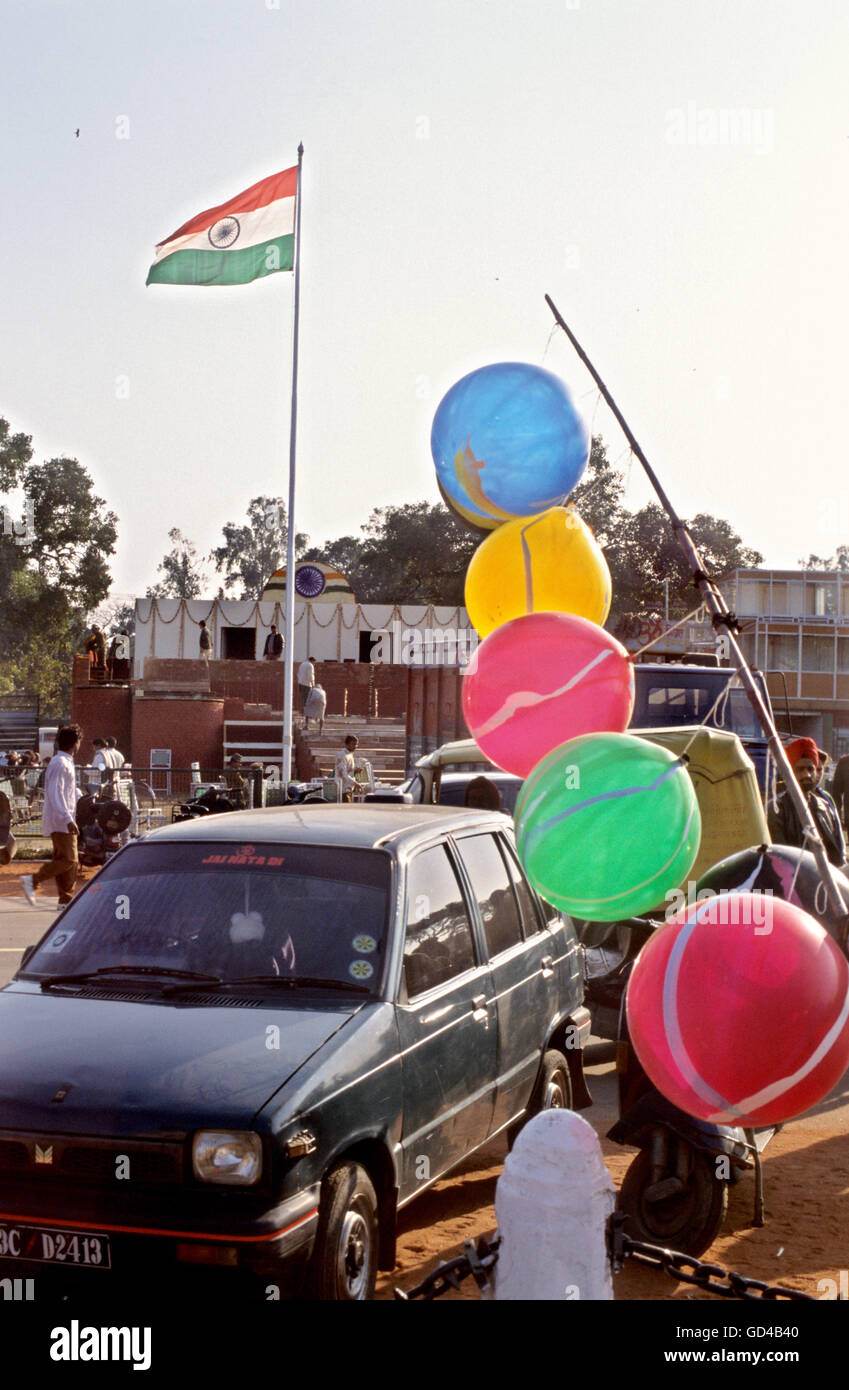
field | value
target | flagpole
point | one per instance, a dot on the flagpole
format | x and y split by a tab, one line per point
289	645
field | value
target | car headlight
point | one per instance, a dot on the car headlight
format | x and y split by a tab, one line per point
227	1156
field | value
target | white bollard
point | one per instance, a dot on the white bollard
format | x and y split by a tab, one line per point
552	1203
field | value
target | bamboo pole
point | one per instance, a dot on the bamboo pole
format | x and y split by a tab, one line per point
723	619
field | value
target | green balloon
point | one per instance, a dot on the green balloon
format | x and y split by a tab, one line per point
607	825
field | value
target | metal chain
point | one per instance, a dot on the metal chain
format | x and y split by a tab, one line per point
479	1259
705	1276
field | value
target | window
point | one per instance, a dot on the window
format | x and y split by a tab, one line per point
438	943
821	599
818	654
493	890
753	596
230	910
783	653
527	903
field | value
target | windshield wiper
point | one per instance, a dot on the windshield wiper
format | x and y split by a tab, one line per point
276	982
84	975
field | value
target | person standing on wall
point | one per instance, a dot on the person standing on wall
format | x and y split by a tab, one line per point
273	649
205	641
96	648
306	680
57	820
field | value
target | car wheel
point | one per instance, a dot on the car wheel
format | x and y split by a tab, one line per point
344	1261
552	1091
689	1220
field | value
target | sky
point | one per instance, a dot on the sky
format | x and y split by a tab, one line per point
672	172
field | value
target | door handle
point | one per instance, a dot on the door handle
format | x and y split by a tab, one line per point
480	1013
547	965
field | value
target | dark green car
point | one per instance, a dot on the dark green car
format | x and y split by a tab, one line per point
253	1037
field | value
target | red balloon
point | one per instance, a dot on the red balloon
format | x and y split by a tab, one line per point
541	679
738	1008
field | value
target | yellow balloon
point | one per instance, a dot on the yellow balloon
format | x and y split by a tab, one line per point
546	563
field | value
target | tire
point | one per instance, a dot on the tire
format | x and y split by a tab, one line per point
552	1091
344	1262
688	1222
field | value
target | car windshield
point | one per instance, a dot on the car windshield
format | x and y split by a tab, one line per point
230	912
454	785
681	698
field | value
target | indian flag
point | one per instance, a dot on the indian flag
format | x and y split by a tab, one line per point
250	236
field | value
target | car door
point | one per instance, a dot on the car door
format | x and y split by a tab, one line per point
520	967
446	1024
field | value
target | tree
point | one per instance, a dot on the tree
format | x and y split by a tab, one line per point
416	553
648	554
184	577
53	567
253	551
838	561
598	497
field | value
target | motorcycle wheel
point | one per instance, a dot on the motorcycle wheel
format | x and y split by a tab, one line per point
689	1221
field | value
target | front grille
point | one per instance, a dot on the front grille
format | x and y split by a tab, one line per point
97	1162
14	1156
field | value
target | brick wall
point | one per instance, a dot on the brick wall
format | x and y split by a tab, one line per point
192	728
101	711
362	682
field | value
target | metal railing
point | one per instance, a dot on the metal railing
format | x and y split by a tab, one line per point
155	792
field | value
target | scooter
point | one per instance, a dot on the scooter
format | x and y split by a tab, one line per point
675	1192
101	825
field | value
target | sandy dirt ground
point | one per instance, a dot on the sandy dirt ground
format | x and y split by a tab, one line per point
806	1172
805	1239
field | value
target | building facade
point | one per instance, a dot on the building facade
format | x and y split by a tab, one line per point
795	628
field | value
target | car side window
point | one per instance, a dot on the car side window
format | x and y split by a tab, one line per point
438	943
528	902
493	890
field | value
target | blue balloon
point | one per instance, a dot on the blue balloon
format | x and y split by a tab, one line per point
507	441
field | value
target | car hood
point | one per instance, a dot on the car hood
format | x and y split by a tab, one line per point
83	1065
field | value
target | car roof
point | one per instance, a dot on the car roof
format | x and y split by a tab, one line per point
360	826
463	750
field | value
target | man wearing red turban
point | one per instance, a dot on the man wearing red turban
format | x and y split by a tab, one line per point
782	816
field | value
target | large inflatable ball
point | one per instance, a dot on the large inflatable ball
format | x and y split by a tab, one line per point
507	441
547	563
784	871
738	1009
607	825
540	680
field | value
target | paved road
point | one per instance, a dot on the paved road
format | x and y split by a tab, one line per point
20	925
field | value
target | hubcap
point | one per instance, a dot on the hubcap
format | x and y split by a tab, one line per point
555	1092
354	1254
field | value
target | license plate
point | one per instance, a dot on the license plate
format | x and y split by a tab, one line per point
48	1245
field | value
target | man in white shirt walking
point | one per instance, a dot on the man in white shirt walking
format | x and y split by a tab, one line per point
306	680
57	821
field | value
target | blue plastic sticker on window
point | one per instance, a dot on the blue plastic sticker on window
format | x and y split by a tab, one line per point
361	969
364	945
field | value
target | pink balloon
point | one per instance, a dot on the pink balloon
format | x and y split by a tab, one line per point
738	1010
541	679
